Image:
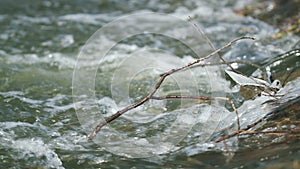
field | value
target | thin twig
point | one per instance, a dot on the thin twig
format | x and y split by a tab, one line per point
202	98
234	109
182	97
246	131
277	132
209	42
231	62
238	131
158	84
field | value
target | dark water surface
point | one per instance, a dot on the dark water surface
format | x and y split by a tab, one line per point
39	44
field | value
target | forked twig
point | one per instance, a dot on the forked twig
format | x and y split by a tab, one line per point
158	84
209	42
223	61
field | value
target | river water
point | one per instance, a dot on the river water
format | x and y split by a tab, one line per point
49	53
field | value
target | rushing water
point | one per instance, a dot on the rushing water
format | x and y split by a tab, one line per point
40	43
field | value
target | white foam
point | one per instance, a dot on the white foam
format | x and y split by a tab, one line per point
38	149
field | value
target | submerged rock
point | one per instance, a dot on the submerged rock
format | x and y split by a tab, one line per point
285	67
282	123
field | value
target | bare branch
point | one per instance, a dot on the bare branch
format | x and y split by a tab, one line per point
158	84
